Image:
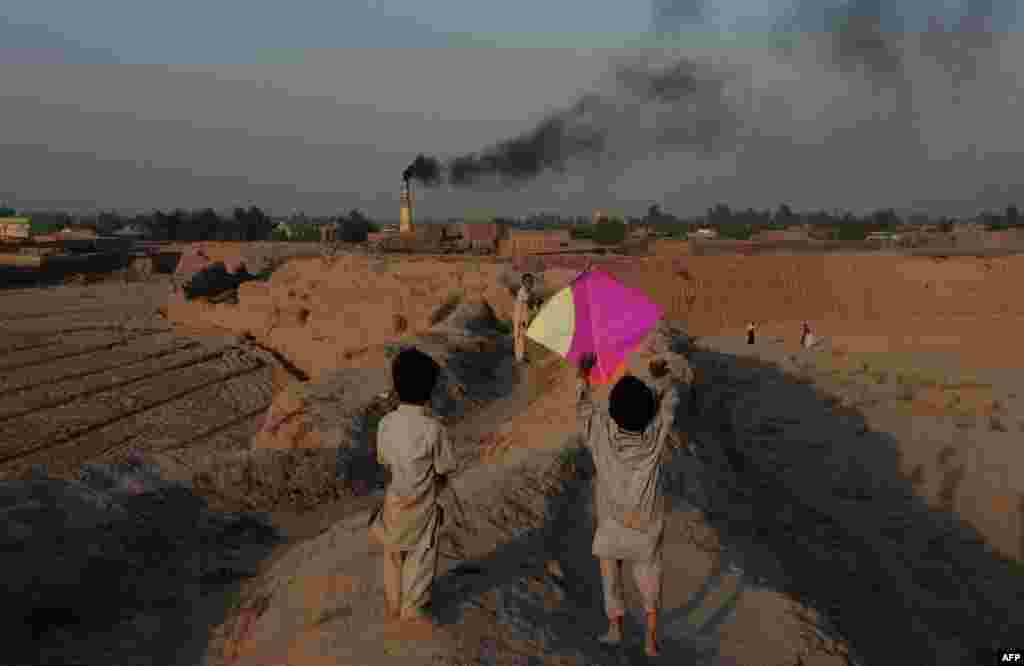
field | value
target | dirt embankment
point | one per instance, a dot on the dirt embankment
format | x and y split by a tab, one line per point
881	302
324	314
330	313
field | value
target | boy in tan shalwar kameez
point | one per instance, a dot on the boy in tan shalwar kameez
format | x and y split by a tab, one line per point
419	453
628	443
526	303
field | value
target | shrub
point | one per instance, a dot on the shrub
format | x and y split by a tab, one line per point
442	311
609	232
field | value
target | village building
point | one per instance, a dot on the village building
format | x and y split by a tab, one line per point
534	242
15	228
780	235
482	235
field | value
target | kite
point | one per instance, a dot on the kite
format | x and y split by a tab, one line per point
595	314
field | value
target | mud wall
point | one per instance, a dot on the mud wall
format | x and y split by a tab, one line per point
326	314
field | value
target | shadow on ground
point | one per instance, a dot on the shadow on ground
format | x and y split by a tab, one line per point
560	612
828	499
807	501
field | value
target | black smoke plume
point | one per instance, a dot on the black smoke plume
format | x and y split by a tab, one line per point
686	89
547	147
425	170
689	104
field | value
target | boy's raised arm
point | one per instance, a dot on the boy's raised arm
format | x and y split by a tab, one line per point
584	401
381	444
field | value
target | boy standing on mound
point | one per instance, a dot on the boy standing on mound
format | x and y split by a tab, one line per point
628	444
418	451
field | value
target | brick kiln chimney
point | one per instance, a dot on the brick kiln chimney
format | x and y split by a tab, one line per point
405	214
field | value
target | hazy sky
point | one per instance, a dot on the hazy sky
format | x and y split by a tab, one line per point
318	106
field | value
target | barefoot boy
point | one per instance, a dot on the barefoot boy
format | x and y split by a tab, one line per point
526	303
419	454
627	443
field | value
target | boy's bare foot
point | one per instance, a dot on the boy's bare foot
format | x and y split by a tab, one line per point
614	635
418	619
651	642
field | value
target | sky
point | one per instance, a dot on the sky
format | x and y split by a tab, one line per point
318	106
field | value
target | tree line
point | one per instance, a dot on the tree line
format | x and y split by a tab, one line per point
836	225
242	224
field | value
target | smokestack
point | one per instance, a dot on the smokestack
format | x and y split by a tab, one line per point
405	214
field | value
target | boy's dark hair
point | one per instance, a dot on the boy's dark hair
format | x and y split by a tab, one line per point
631	404
415	375
528	276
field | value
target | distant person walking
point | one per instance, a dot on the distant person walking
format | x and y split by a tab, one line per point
418	452
628	443
751	330
526	302
806	336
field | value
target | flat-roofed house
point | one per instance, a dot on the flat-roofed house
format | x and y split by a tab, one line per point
15	228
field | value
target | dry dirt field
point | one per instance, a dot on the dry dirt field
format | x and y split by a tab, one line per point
89	373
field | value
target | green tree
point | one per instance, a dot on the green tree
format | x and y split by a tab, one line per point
719	215
783	217
852	231
609	231
582	232
736	231
253	222
7	212
1012	215
885	219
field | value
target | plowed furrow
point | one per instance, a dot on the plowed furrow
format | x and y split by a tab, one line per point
135	349
111	319
55	425
43	359
30	346
61	312
163	427
70	388
235	435
33	339
23	344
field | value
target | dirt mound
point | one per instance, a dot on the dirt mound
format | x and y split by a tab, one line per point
121	534
324	315
315	445
469	318
317	442
516	584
